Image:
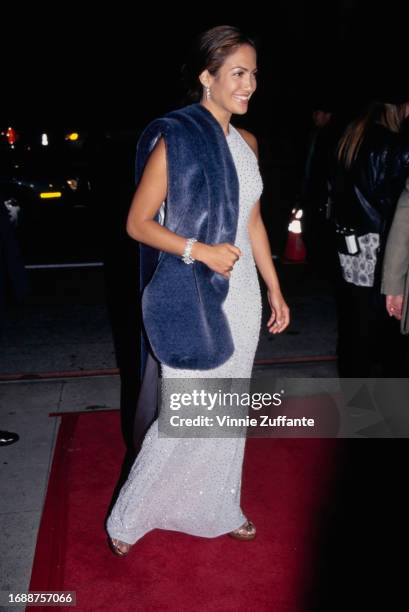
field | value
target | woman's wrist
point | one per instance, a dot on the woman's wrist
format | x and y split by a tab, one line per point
198	251
273	288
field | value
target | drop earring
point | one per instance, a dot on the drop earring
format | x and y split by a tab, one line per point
208	94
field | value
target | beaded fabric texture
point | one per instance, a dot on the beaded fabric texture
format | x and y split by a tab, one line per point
193	485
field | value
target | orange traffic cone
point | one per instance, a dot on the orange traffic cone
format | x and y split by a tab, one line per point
295	251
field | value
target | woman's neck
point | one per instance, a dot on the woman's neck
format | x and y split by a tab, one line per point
223	117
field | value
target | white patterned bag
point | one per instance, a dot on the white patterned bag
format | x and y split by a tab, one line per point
359	269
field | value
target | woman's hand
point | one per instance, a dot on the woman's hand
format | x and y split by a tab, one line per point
394	305
218	257
280	313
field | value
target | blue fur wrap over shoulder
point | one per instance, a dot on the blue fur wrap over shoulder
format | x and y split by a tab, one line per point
184	323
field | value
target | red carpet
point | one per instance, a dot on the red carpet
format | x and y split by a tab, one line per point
286	485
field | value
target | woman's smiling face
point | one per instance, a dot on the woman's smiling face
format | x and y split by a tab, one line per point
234	83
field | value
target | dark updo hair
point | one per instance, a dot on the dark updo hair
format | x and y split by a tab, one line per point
209	51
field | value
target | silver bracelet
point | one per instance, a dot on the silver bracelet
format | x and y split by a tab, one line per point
186	257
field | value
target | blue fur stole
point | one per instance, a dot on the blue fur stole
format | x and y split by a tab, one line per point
182	304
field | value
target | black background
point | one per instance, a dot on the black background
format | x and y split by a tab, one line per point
119	64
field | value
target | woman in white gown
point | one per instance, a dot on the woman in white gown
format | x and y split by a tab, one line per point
193	485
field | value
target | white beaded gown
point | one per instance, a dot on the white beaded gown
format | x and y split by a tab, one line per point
193	485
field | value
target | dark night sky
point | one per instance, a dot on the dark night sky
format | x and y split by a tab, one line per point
120	69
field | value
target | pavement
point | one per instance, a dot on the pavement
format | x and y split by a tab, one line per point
65	327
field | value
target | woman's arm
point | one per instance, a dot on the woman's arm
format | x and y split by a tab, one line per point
149	196
280	313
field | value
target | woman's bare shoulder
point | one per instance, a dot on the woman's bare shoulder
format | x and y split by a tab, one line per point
249	138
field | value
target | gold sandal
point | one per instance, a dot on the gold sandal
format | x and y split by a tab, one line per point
245	532
115	546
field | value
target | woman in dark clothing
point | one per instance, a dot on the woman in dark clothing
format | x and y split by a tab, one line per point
372	165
